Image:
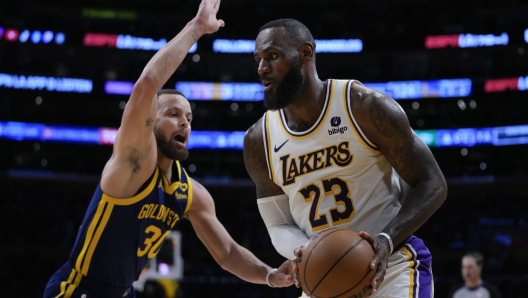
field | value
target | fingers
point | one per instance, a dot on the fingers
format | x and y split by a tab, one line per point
295	272
221	23
298	252
282	280
379	276
216	6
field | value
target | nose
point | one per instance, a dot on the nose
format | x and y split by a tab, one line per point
184	122
264	67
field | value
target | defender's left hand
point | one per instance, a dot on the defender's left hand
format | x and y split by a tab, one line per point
283	277
381	248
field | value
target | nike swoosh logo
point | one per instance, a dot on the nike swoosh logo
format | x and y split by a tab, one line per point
277	149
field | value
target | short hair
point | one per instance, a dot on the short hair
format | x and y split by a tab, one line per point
479	259
169	91
296	31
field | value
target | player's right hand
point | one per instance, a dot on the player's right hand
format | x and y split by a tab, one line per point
206	16
294	265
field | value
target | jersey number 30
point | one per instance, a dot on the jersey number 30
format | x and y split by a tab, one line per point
339	189
152	243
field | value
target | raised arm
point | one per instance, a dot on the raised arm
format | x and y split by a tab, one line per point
384	122
227	253
272	202
135	153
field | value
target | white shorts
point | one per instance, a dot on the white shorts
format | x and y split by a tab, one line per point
408	274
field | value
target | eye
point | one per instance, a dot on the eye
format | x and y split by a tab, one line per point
274	56
258	60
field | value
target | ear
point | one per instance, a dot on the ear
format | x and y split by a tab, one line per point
307	51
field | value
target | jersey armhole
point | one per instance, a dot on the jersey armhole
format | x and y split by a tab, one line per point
267	144
353	121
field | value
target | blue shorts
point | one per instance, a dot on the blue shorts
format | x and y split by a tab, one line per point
69	283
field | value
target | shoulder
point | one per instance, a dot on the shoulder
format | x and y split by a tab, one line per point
494	291
254	133
254	142
201	198
380	117
362	97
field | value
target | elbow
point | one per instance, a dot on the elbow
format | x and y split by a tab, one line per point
441	190
147	83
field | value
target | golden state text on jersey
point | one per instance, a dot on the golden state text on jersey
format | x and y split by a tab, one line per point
332	174
118	236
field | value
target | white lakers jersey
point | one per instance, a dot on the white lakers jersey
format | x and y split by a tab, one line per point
332	174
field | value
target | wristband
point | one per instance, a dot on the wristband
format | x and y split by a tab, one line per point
267	277
390	241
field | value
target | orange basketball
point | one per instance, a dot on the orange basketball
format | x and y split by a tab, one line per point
336	264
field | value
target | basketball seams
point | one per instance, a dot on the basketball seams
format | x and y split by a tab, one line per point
311	292
337	262
311	251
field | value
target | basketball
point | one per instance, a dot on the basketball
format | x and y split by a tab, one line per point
336	264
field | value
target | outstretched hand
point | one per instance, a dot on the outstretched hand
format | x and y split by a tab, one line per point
206	16
295	265
381	258
283	276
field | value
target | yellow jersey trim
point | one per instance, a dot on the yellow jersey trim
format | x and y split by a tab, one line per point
169	188
315	128
136	198
96	237
411	288
348	109
69	292
179	169
189	193
89	234
268	147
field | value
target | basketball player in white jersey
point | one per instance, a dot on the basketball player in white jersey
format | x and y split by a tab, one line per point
335	153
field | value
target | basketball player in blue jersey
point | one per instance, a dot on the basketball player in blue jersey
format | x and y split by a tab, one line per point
335	153
144	191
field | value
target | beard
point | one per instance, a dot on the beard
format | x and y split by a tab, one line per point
170	151
287	90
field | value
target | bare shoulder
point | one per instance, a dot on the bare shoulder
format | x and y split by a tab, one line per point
201	198
254	153
379	116
255	161
384	123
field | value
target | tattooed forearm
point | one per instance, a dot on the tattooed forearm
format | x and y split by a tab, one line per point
149	122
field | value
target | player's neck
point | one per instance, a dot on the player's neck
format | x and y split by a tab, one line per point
165	165
473	283
306	109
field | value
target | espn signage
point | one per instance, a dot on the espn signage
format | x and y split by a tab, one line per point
466	40
126	42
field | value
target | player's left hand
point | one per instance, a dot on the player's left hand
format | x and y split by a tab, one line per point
381	248
283	277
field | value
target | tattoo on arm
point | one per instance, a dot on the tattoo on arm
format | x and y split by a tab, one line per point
149	122
392	123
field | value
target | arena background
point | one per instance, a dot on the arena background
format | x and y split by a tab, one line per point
458	68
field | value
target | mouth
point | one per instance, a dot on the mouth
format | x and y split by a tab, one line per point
181	139
267	84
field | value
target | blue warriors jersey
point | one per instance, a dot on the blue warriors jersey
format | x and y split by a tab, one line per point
118	236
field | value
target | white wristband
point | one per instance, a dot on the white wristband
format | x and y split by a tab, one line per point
390	241
267	276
